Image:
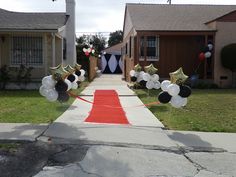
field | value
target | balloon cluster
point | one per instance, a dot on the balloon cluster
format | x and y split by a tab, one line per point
146	79
206	53
89	51
174	91
63	79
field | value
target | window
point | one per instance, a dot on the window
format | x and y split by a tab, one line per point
27	50
141	49
64	49
152	47
126	49
130	46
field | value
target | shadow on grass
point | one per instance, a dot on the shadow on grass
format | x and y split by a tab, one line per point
159	108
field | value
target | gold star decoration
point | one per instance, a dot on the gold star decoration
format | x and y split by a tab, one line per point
77	67
137	68
150	69
58	72
69	69
178	76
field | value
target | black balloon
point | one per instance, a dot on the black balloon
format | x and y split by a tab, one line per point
77	72
61	86
185	91
63	97
164	97
133	79
71	78
143	83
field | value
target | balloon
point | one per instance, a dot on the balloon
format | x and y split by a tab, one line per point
136	74
208	54
201	56
210	46
76	78
48	82
84	50
69	84
150	85
140	78
61	86
157	85
177	101
155	77
63	97
43	90
164	97
52	95
87	53
82	72
185	91
93	51
81	78
78	73
143	83
173	89
133	79
178	76
131	73
74	85
165	84
71	77
146	77
89	50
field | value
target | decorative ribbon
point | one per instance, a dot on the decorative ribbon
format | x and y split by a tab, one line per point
87	101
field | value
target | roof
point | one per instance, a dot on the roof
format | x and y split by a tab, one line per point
163	17
115	49
31	21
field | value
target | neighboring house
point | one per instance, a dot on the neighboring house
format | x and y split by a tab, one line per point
38	40
111	62
172	36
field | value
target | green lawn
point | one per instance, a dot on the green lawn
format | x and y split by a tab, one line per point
207	110
30	107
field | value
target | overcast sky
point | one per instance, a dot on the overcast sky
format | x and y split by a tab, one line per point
94	15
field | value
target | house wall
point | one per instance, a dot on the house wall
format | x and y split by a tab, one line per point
39	71
127	24
225	35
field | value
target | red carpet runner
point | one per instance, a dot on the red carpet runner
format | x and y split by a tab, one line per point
107	108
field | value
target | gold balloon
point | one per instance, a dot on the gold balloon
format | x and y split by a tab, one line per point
69	69
77	67
137	68
150	69
58	72
178	77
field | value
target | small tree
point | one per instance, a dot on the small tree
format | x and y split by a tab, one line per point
115	38
228	58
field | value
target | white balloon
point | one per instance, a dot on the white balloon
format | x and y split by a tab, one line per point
52	95
82	72
140	78
93	51
173	89
142	72
48	82
68	83
74	85
150	85
210	46
136	74
155	77
165	84
131	73
185	101
89	50
208	54
81	78
177	101
157	85
146	76
43	90
85	50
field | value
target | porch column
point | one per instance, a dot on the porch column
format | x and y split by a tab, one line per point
45	55
53	50
205	62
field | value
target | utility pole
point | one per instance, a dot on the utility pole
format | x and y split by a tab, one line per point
169	1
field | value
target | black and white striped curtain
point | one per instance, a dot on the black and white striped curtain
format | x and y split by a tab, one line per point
111	64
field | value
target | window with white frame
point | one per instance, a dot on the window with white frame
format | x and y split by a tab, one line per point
152	47
27	50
